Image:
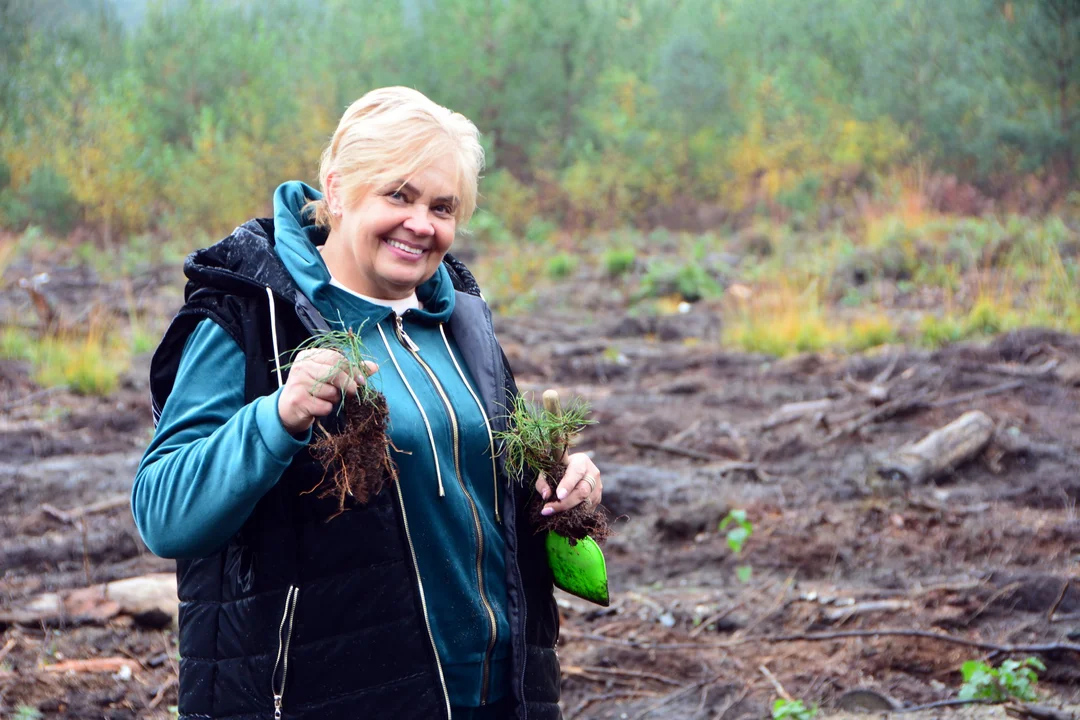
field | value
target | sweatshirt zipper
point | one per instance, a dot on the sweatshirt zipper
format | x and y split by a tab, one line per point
487	423
285	632
413	348
419	582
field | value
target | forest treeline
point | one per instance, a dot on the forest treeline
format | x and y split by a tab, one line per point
595	113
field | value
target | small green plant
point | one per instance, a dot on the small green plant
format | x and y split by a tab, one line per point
353	356
27	712
537	438
561	266
619	261
793	710
740	532
1013	679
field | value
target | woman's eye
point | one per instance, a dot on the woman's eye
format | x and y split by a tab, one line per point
444	209
397	195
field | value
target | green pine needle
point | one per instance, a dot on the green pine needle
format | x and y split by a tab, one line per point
536	439
354	354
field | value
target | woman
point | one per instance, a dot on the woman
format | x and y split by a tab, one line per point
432	599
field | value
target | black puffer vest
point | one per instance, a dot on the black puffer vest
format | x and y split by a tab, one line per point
297	617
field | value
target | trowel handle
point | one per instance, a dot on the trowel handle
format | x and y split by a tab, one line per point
552	403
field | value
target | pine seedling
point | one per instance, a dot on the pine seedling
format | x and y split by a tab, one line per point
537	441
353	353
356	458
538	438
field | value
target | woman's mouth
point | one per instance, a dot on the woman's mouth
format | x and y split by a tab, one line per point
402	249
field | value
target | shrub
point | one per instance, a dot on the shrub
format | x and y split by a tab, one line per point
561	266
619	261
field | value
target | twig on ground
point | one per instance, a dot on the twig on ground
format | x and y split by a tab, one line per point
671	697
993	598
1037	712
1024	371
618	695
977	394
943	703
1060	599
899	405
36	395
8	647
715	617
586	670
726	465
775	683
839	635
161	693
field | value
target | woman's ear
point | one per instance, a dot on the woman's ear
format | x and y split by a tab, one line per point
333	202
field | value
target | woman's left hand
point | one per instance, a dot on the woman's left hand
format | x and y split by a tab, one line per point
581	483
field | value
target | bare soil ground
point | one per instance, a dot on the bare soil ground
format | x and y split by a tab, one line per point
979	560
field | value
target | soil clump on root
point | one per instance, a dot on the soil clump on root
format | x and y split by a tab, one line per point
355	459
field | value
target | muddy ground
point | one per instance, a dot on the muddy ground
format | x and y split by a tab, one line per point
686	432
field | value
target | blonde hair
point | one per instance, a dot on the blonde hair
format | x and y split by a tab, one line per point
389	135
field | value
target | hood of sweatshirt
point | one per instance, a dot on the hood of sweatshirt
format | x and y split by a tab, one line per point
297	239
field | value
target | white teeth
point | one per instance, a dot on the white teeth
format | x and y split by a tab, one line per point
406	248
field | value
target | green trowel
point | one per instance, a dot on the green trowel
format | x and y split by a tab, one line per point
578	569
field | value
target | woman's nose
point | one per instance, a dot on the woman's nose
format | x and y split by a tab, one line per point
418	223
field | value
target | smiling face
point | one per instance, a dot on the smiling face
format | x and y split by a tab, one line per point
394	237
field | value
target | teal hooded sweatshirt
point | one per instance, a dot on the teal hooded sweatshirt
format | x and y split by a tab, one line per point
213	457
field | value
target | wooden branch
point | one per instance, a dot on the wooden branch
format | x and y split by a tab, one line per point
978	394
1025	371
36	395
943	703
725	465
839	635
1060	599
1036	712
91	665
942	450
585	670
775	683
897	406
1004	649
676	695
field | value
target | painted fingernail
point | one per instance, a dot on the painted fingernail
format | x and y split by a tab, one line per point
562	493
547	511
544	493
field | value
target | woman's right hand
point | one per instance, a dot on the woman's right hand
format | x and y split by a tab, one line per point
317	379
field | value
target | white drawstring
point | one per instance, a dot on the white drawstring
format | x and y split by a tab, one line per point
483	413
273	334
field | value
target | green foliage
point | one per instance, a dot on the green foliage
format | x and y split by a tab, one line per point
26	712
561	266
603	110
740	532
619	261
536	439
936	332
15	344
690	280
793	710
354	355
1013	679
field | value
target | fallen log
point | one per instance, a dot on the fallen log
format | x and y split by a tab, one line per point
941	451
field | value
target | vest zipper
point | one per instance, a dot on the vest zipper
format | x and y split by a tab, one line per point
419	582
412	347
285	632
